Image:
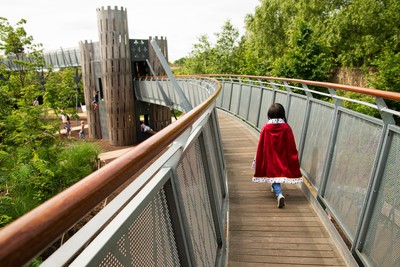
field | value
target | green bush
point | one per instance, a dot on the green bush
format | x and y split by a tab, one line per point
28	184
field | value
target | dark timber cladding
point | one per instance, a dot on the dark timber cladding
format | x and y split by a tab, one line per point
117	75
260	234
89	82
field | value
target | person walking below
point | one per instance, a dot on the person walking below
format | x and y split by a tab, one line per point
67	126
82	131
276	159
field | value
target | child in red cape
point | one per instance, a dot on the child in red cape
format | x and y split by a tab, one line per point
277	158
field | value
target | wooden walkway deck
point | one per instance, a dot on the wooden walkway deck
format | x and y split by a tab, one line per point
260	234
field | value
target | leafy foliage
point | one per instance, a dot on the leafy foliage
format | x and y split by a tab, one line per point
334	32
306	58
35	163
308	39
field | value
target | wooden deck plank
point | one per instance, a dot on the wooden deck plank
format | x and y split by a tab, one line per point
260	234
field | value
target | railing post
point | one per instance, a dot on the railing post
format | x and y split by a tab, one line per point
289	97
259	104
273	90
221	163
331	144
230	96
240	96
249	102
304	130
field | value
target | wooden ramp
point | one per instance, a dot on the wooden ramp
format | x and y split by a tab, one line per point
260	234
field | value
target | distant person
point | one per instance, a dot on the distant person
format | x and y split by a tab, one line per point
146	129
95	101
276	158
82	131
36	103
67	126
63	116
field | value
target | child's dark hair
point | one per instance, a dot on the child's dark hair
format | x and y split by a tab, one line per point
277	111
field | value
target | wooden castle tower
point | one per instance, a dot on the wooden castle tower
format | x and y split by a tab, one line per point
108	69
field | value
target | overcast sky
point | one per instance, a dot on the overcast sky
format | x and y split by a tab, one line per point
63	24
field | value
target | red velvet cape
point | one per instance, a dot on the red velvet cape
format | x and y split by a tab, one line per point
277	157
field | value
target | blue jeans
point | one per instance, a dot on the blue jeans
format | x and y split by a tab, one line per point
277	188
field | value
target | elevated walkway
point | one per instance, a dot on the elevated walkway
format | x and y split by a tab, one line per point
260	234
194	203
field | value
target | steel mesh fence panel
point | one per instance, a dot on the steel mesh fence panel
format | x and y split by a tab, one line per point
214	164
189	91
281	97
197	209
235	101
382	244
316	141
244	101
148	90
351	169
226	92
295	116
170	92
255	104
151	236
267	98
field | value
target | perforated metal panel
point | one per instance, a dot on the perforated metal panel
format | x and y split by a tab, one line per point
244	101
267	98
382	245
255	104
281	97
235	101
197	210
316	141
351	169
143	240
295	116
226	93
213	160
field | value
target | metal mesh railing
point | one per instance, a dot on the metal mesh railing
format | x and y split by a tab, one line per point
346	156
143	239
351	168
192	187
173	214
382	242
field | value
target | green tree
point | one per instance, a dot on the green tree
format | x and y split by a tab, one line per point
224	59
358	30
305	58
34	161
199	58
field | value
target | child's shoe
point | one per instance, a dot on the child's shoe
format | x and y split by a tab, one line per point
281	201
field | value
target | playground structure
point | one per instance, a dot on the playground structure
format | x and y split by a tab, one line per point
108	68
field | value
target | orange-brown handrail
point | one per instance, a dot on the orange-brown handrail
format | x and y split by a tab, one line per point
368	91
29	235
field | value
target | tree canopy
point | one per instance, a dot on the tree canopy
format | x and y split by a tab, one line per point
307	39
35	163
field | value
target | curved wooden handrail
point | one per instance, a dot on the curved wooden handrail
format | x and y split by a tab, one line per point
368	91
29	235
